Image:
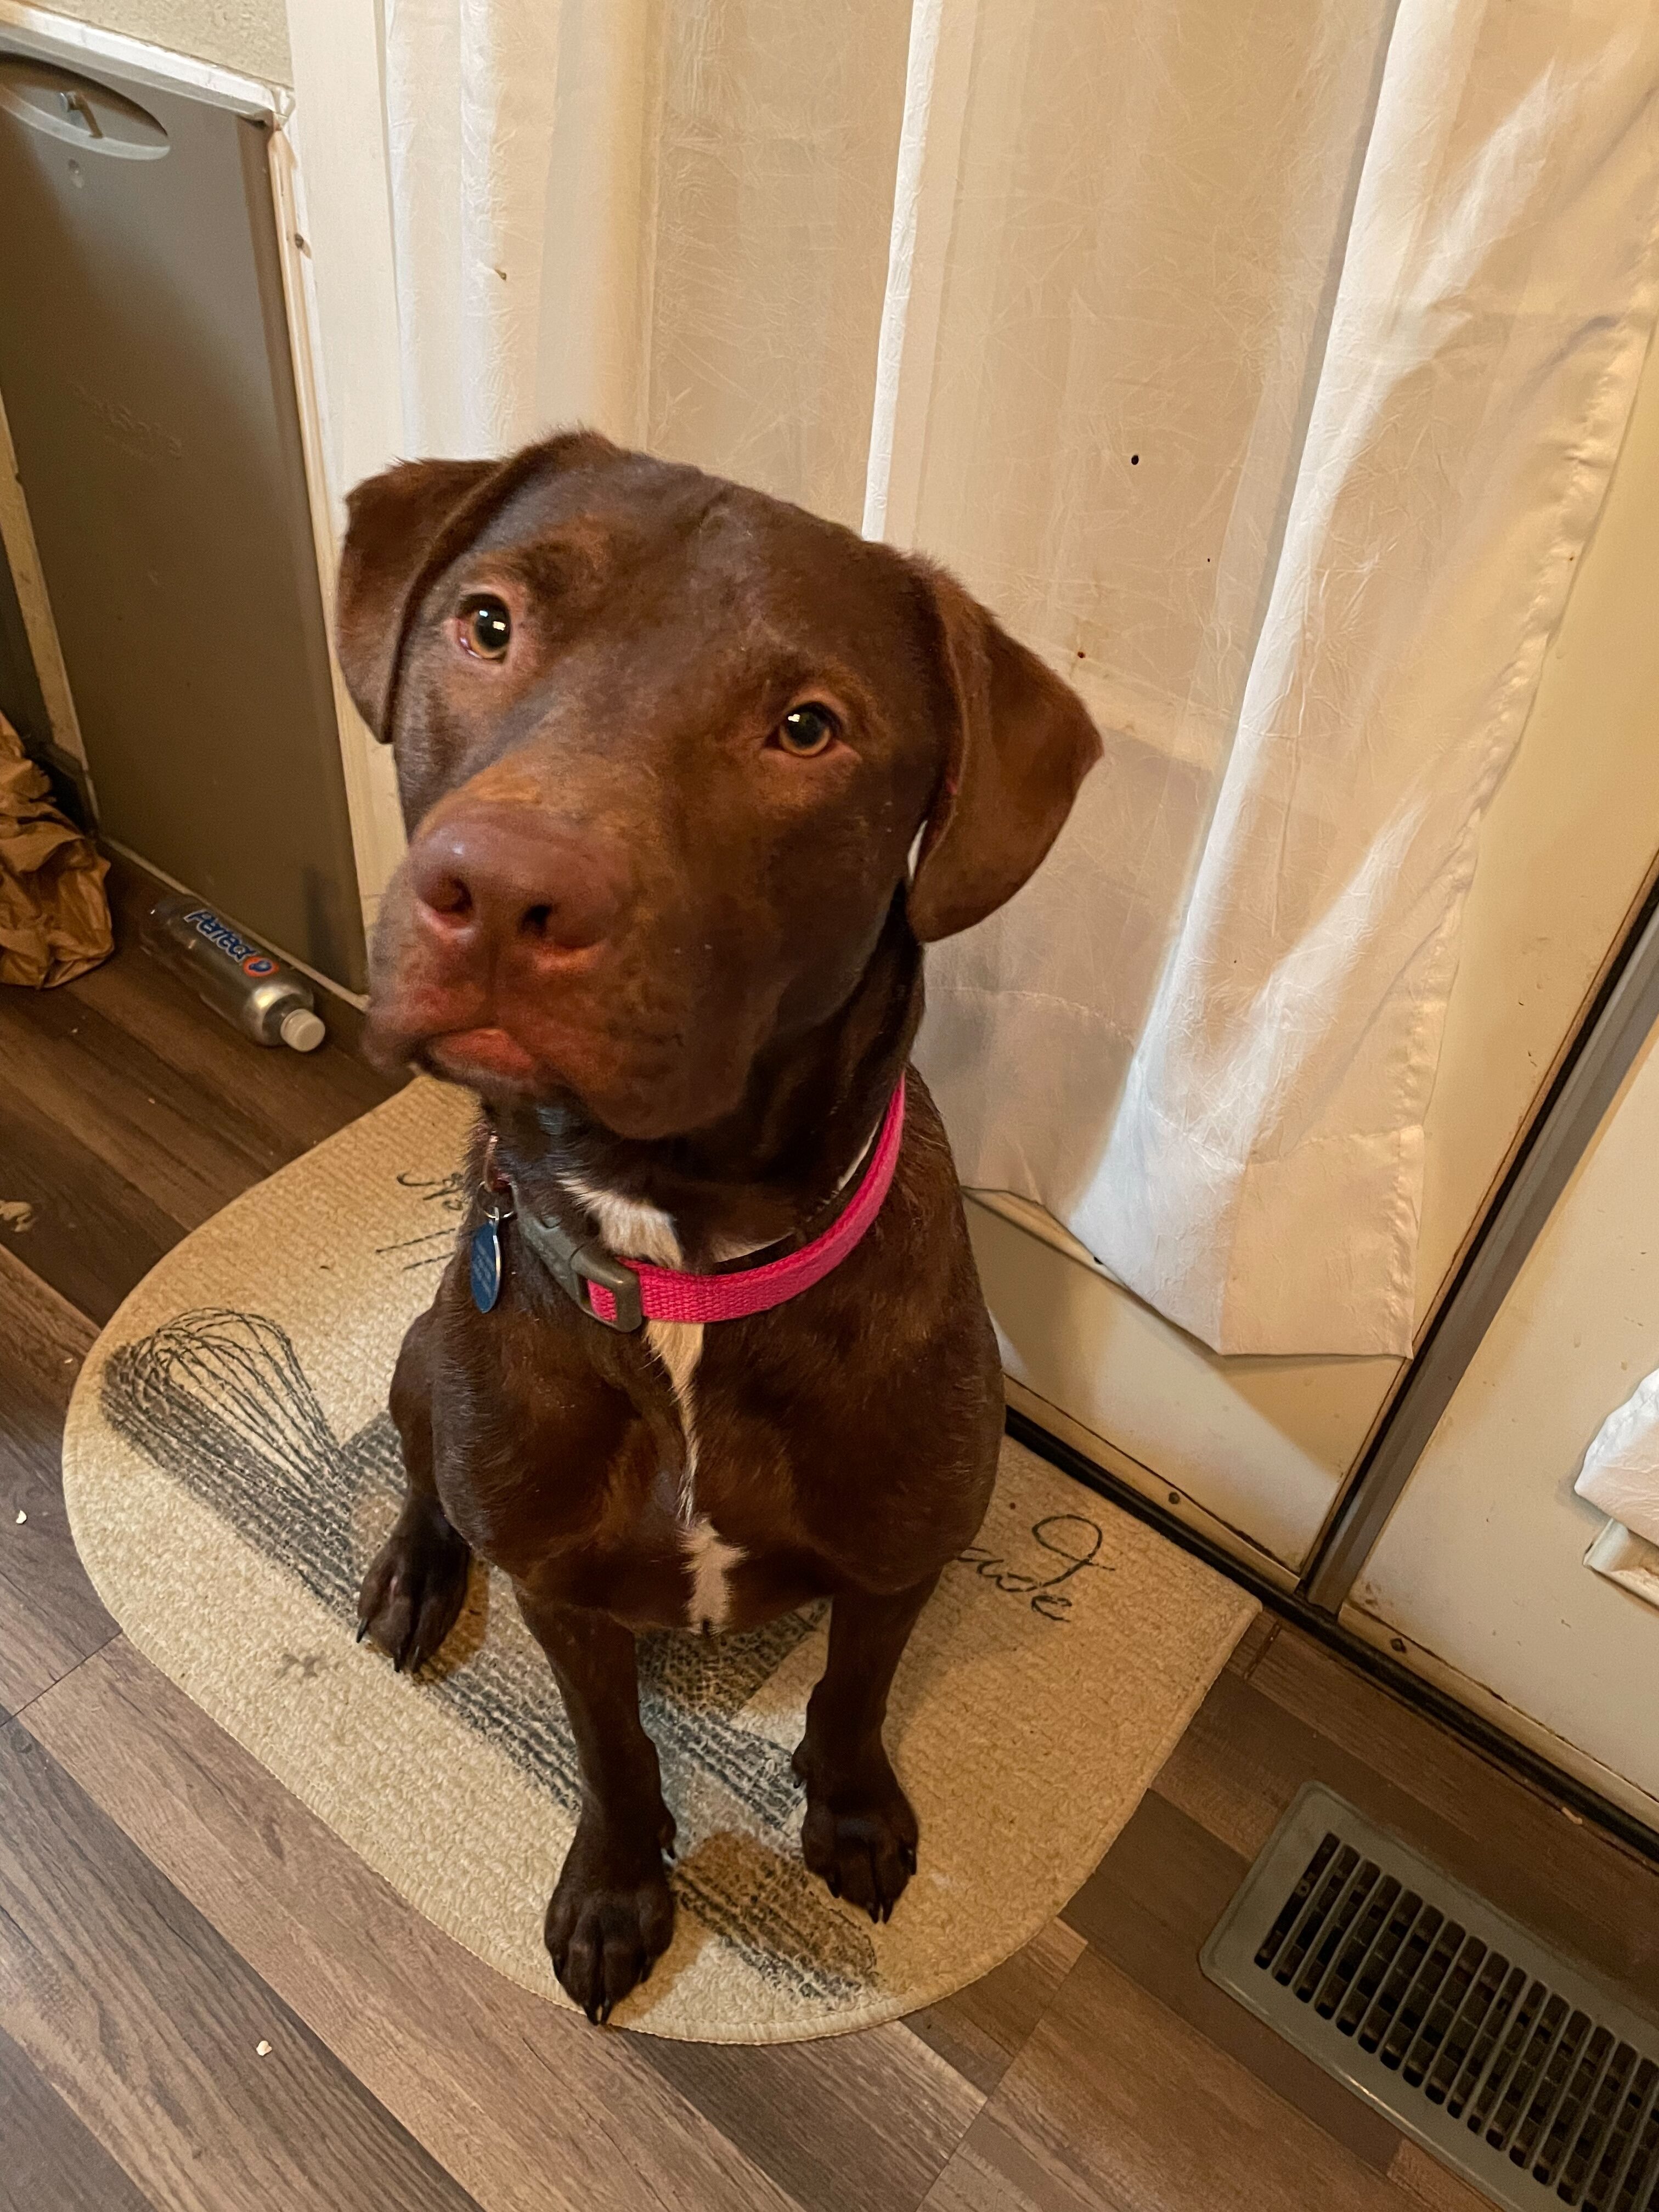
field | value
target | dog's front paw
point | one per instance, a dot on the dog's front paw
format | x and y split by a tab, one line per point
415	1588
859	1835
612	1916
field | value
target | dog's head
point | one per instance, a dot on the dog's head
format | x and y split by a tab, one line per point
664	746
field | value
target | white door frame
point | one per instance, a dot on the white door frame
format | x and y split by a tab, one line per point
329	173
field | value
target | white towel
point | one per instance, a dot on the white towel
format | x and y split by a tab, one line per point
1620	1473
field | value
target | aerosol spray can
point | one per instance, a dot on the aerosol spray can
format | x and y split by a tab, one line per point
266	999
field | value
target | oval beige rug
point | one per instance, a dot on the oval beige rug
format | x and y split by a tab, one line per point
230	1468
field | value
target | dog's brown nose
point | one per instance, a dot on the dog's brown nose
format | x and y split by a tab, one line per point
490	879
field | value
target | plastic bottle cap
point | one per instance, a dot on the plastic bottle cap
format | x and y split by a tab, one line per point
302	1028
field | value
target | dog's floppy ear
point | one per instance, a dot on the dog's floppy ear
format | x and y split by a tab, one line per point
394	520
404	527
1020	745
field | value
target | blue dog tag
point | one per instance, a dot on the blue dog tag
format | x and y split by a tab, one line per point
485	1270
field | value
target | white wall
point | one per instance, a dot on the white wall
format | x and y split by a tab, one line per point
250	36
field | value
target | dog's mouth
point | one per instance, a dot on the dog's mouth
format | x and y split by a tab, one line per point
463	1036
501	1064
632	1084
639	1056
484	1059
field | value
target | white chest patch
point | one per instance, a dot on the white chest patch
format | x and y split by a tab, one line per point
711	1560
636	1231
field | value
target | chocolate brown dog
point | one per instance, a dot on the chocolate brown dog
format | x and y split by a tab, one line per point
664	748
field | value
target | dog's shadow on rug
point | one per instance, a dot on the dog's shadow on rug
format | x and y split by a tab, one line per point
218	1398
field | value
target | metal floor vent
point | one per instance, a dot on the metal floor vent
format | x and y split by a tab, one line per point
1514	2067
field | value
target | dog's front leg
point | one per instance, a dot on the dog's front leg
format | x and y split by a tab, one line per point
416	1586
612	1914
859	1833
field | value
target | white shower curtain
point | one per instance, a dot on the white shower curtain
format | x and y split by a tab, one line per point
1261	361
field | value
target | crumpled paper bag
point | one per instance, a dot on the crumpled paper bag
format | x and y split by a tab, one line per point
54	917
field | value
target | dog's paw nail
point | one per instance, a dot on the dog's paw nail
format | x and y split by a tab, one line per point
907	1858
362	1630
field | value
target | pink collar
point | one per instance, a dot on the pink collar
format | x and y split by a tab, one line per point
674	1294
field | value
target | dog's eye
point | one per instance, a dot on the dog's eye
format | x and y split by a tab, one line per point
486	626
807	730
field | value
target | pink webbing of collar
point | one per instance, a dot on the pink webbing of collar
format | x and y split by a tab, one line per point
670	1294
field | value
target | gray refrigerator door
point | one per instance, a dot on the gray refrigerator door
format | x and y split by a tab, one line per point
145	372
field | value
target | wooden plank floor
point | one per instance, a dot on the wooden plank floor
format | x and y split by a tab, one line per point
207	2001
